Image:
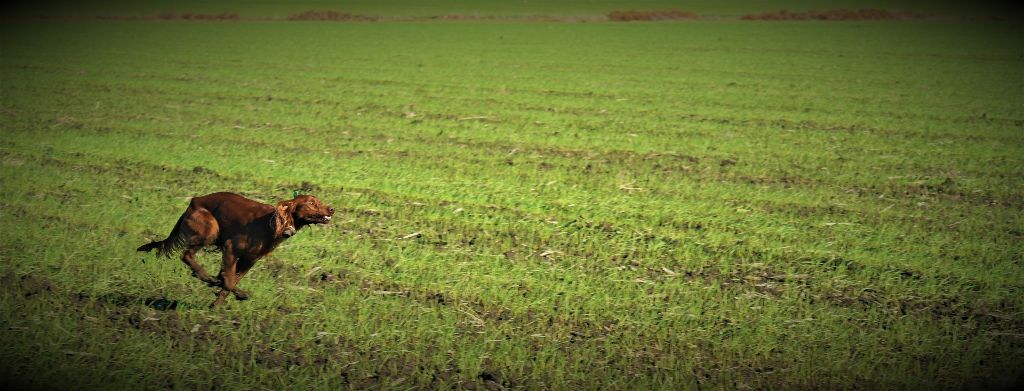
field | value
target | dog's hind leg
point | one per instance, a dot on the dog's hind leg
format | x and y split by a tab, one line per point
189	258
202	230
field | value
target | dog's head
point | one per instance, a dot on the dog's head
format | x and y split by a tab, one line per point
304	210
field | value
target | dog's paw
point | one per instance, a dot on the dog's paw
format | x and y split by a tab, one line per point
219	301
241	295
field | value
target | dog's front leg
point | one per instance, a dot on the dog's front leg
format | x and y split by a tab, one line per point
243	267
227	276
222	296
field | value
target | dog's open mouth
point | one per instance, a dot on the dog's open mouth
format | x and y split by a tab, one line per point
318	219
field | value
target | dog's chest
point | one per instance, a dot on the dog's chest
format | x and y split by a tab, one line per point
253	249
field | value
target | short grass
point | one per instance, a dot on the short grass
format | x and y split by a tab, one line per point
547	206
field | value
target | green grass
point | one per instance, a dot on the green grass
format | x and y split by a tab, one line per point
625	206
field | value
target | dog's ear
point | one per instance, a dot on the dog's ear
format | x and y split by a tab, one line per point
287	206
283	222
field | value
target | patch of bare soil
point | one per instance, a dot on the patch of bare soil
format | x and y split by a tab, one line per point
27	285
223	16
330	16
647	16
837	15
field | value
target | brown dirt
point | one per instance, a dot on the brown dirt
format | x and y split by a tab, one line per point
223	16
27	285
330	16
837	15
646	16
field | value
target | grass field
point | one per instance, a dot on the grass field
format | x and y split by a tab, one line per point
711	204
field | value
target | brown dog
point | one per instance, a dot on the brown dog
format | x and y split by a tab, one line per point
243	229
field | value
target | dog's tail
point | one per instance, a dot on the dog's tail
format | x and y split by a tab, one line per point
175	240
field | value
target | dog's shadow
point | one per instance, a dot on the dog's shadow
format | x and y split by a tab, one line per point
162	303
159	303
